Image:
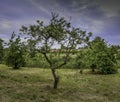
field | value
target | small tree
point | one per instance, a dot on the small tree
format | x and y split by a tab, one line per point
101	57
15	53
57	34
31	48
1	50
81	60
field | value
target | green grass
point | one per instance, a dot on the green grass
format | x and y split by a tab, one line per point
35	85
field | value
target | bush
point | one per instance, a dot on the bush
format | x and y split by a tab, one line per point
101	57
104	63
14	56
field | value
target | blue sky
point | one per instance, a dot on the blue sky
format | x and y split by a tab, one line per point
102	17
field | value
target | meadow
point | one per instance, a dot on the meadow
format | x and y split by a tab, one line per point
35	85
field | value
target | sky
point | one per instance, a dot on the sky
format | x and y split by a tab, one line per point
101	17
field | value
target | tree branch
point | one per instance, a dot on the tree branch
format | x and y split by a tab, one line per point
46	57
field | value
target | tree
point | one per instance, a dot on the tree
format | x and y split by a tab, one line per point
116	50
81	60
1	50
57	34
101	57
15	52
30	47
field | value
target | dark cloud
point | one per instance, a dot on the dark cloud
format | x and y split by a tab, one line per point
98	16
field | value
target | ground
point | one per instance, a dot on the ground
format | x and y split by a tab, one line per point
35	85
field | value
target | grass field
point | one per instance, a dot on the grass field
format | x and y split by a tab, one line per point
35	85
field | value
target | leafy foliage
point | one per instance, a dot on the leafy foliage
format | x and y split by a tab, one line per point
81	60
15	53
60	33
102	57
1	50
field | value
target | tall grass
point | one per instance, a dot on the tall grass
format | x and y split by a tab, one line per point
35	85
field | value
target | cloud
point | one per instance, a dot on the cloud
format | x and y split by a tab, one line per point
45	6
95	16
5	25
8	26
110	7
98	16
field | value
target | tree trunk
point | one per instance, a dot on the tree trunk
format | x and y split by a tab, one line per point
56	78
93	66
15	66
93	69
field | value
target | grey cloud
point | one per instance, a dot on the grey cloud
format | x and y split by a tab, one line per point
98	16
5	25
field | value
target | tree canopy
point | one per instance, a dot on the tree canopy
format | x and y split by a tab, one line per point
15	52
1	50
58	33
101	56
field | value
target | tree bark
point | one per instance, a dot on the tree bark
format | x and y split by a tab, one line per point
56	78
16	66
93	66
93	69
